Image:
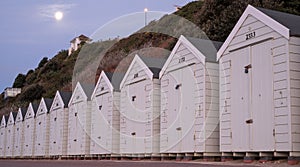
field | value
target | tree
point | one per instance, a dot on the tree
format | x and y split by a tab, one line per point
43	62
19	81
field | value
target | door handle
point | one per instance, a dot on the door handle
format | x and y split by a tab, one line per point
249	121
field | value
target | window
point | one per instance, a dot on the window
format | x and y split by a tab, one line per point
17	129
40	123
27	126
133	98
102	88
100	107
54	142
75	140
136	75
55	119
77	97
56	104
75	114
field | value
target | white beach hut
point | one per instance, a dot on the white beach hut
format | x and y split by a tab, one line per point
10	132
190	99
259	85
79	120
140	108
105	122
29	130
2	136
58	124
19	133
41	146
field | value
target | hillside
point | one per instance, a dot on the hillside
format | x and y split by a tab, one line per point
215	18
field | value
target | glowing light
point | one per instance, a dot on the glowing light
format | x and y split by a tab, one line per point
58	15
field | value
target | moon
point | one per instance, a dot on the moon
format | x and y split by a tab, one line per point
58	15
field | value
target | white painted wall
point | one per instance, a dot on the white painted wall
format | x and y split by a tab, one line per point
139	125
189	102
267	84
79	123
19	135
29	132
2	137
10	132
56	126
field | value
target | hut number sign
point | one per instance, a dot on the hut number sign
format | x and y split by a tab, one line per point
250	35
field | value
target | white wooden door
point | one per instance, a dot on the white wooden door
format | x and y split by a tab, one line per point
102	128
262	97
187	96
252	107
240	82
171	113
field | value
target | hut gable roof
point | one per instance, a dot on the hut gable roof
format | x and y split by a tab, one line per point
203	49
85	90
151	66
283	23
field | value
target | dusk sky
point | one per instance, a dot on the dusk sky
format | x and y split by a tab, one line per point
30	32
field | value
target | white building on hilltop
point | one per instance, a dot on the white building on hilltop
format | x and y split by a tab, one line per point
77	42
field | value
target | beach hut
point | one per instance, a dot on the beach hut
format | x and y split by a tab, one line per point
105	121
19	133
259	85
190	99
140	108
41	146
2	136
29	130
79	121
10	132
58	124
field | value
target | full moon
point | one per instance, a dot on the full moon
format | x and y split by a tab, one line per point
58	15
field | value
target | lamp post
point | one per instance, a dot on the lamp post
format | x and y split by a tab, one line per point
145	11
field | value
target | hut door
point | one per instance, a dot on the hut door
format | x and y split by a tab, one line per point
262	97
240	81
187	93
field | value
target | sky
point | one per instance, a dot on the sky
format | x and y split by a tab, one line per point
30	32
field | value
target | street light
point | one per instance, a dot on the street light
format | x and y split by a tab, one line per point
145	11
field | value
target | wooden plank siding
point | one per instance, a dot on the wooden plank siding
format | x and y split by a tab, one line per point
280	56
294	70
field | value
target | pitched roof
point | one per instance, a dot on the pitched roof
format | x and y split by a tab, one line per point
154	64
88	90
48	103
6	118
289	20
81	38
66	96
115	79
35	107
207	47
23	112
14	115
